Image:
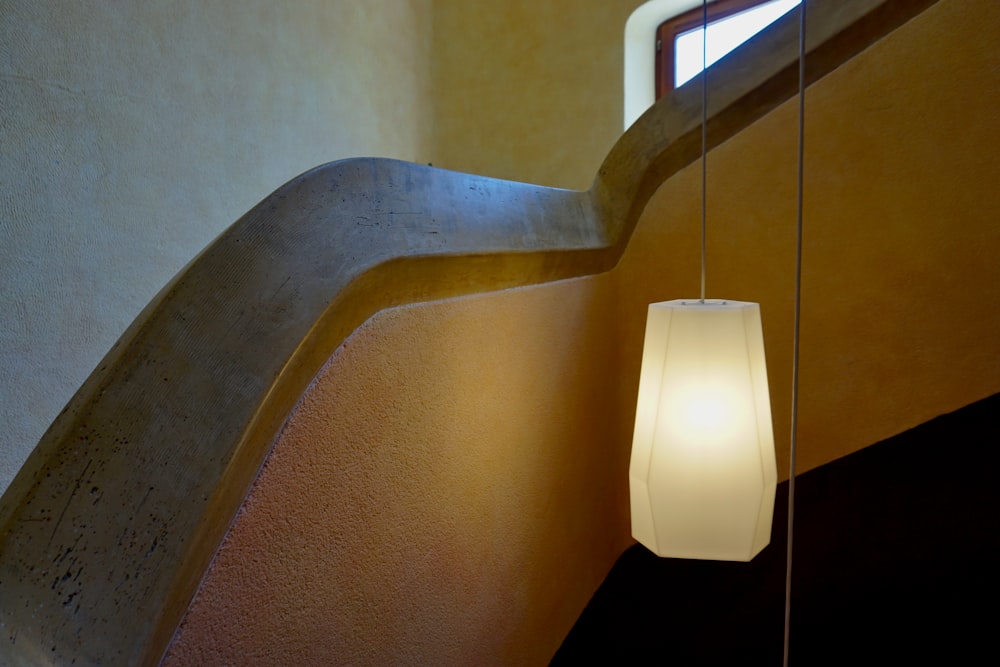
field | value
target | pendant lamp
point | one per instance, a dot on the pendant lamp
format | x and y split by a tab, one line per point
703	474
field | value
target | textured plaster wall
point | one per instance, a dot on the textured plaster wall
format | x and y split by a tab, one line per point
452	487
528	91
132	133
447	493
901	284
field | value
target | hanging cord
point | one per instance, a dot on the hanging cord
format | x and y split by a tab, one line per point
704	134
795	334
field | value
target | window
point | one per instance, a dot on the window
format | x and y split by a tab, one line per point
679	40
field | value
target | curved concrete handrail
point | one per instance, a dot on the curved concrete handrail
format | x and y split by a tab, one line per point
110	525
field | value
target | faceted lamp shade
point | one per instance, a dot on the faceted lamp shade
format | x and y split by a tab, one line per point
703	472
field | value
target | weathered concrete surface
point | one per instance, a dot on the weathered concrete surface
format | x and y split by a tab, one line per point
108	528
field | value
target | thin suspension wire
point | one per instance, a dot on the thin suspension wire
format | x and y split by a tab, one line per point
795	334
704	135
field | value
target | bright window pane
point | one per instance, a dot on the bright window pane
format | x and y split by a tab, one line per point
723	36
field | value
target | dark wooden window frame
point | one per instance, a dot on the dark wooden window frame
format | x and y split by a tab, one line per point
668	31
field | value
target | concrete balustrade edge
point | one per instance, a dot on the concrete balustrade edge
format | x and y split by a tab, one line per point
110	525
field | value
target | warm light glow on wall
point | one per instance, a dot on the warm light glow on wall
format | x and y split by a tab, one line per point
703	472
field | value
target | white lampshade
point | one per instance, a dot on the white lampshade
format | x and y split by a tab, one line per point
703	473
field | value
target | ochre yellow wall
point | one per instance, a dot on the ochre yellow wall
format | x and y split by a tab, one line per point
901	284
452	487
528	91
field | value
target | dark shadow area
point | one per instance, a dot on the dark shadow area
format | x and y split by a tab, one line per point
896	549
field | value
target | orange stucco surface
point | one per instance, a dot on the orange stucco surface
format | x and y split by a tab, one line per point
439	443
452	487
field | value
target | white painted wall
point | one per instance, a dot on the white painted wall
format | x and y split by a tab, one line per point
133	133
640	50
